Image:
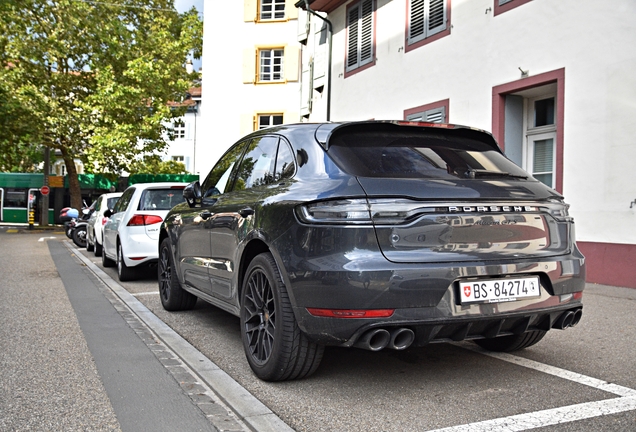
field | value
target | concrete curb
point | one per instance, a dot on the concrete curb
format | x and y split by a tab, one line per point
249	409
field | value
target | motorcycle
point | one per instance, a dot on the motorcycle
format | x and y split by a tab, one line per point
69	216
76	227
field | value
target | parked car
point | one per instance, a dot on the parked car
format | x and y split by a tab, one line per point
132	231
372	235
95	229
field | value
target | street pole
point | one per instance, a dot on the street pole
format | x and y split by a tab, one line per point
44	205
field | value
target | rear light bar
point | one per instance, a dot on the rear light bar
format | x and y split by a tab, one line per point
426	124
140	220
362	211
351	313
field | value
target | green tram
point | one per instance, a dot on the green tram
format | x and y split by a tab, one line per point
19	192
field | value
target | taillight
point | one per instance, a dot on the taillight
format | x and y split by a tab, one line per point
362	211
104	220
138	220
351	313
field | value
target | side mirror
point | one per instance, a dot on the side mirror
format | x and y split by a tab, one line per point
192	194
108	213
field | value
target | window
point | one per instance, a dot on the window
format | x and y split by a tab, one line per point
541	138
271	10
270	64
426	18
256	11
179	129
218	180
502	6
436	112
285	162
528	124
257	166
360	35
267	120
124	200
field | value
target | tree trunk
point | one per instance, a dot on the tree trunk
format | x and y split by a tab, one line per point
73	181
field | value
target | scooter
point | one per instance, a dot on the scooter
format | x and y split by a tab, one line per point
81	228
69	216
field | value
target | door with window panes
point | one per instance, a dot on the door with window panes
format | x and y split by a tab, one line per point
540	149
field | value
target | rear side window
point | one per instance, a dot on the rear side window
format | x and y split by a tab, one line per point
112	202
160	199
413	152
124	200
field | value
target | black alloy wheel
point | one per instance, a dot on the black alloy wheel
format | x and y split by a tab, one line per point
173	297
275	347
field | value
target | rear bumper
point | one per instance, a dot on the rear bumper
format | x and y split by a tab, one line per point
426	298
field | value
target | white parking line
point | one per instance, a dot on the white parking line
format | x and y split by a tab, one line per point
561	373
549	417
145	293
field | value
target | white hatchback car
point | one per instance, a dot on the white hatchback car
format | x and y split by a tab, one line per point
131	234
95	229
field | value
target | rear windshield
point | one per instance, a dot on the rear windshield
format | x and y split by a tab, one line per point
111	202
160	199
419	153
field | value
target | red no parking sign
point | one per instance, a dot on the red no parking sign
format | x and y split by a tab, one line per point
44	190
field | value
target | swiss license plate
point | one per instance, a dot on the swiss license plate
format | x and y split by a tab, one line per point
498	290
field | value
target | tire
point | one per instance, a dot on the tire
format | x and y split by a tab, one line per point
68	230
512	342
98	248
79	236
275	347
89	247
173	297
124	272
107	262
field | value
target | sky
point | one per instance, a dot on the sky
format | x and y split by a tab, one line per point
184	5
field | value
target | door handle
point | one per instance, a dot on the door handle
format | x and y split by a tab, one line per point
205	214
246	212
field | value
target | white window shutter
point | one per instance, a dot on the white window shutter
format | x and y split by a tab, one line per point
249	10
366	32
360	34
436	115
417	19
303	27
353	37
249	65
291	11
436	17
291	63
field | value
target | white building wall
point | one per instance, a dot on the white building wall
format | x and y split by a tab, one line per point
592	41
231	104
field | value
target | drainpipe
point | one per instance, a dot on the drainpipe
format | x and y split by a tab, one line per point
305	3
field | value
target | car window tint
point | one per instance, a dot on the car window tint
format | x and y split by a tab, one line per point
217	181
124	200
160	199
112	202
418	154
257	166
285	162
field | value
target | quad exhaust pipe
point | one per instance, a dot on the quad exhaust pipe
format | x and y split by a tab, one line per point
568	319
378	339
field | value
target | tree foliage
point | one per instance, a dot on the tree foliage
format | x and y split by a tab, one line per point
93	79
152	164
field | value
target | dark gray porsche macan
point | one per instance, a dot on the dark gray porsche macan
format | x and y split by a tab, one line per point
377	235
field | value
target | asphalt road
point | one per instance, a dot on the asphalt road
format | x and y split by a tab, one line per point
581	379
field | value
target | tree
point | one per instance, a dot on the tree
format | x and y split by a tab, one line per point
96	77
152	164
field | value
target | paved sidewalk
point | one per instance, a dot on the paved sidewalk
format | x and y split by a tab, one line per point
68	359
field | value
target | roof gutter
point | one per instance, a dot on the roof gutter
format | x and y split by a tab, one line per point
304	4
